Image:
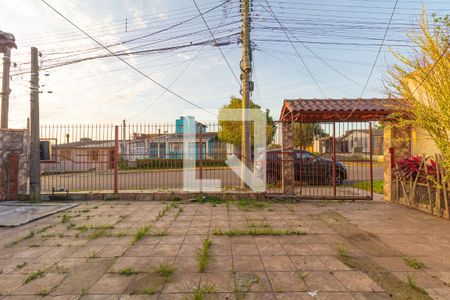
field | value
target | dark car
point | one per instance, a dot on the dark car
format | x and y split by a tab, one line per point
311	168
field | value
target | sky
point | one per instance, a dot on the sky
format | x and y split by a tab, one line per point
330	51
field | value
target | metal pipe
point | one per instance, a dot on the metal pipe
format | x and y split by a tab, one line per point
116	158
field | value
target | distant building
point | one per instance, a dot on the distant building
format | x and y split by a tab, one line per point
82	156
170	145
353	141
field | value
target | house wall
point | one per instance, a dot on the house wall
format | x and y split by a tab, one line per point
422	143
14	163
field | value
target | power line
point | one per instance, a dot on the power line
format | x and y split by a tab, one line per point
218	46
379	50
326	63
296	51
124	61
178	76
373	66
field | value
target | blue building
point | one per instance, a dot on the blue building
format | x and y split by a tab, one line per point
170	145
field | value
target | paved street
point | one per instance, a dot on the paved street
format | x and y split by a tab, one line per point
165	179
151	250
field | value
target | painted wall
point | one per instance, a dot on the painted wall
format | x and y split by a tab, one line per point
422	143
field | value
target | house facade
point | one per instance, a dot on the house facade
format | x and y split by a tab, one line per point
82	156
352	141
171	145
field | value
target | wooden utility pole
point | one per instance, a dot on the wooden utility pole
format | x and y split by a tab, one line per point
35	176
246	70
5	88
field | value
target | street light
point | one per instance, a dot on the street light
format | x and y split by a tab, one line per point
7	41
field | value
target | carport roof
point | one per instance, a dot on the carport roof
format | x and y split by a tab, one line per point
316	110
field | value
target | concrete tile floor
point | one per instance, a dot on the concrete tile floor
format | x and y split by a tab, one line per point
86	255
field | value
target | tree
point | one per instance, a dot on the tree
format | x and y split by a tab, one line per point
310	132
231	131
422	78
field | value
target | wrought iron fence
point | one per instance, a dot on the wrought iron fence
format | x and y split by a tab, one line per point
330	160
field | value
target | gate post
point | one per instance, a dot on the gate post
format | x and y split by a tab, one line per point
287	162
334	160
301	157
397	145
371	163
200	142
13	176
116	158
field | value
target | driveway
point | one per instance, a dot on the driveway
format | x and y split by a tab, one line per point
233	250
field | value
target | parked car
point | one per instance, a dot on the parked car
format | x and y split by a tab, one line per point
314	169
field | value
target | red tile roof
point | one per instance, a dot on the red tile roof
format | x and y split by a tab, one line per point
339	109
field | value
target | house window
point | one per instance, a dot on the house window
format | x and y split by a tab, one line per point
93	155
66	154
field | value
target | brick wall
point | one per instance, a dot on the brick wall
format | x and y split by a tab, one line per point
14	162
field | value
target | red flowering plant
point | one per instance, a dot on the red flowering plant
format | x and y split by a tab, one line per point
411	167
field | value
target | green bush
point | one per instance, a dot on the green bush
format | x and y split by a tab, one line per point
173	163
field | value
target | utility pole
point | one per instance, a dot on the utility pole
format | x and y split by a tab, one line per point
7	41
5	88
35	176
246	71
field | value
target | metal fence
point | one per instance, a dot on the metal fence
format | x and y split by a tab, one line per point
132	157
331	160
334	160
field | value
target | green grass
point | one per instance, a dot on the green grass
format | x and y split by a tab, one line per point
344	256
258	225
82	228
180	210
20	266
102	226
159	232
302	276
65	218
203	256
246	204
165	270
146	291
43	292
140	233
164	211
93	254
365	185
127	272
411	282
201	292
36	274
257	231
342	251
412	262
208	199
98	233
